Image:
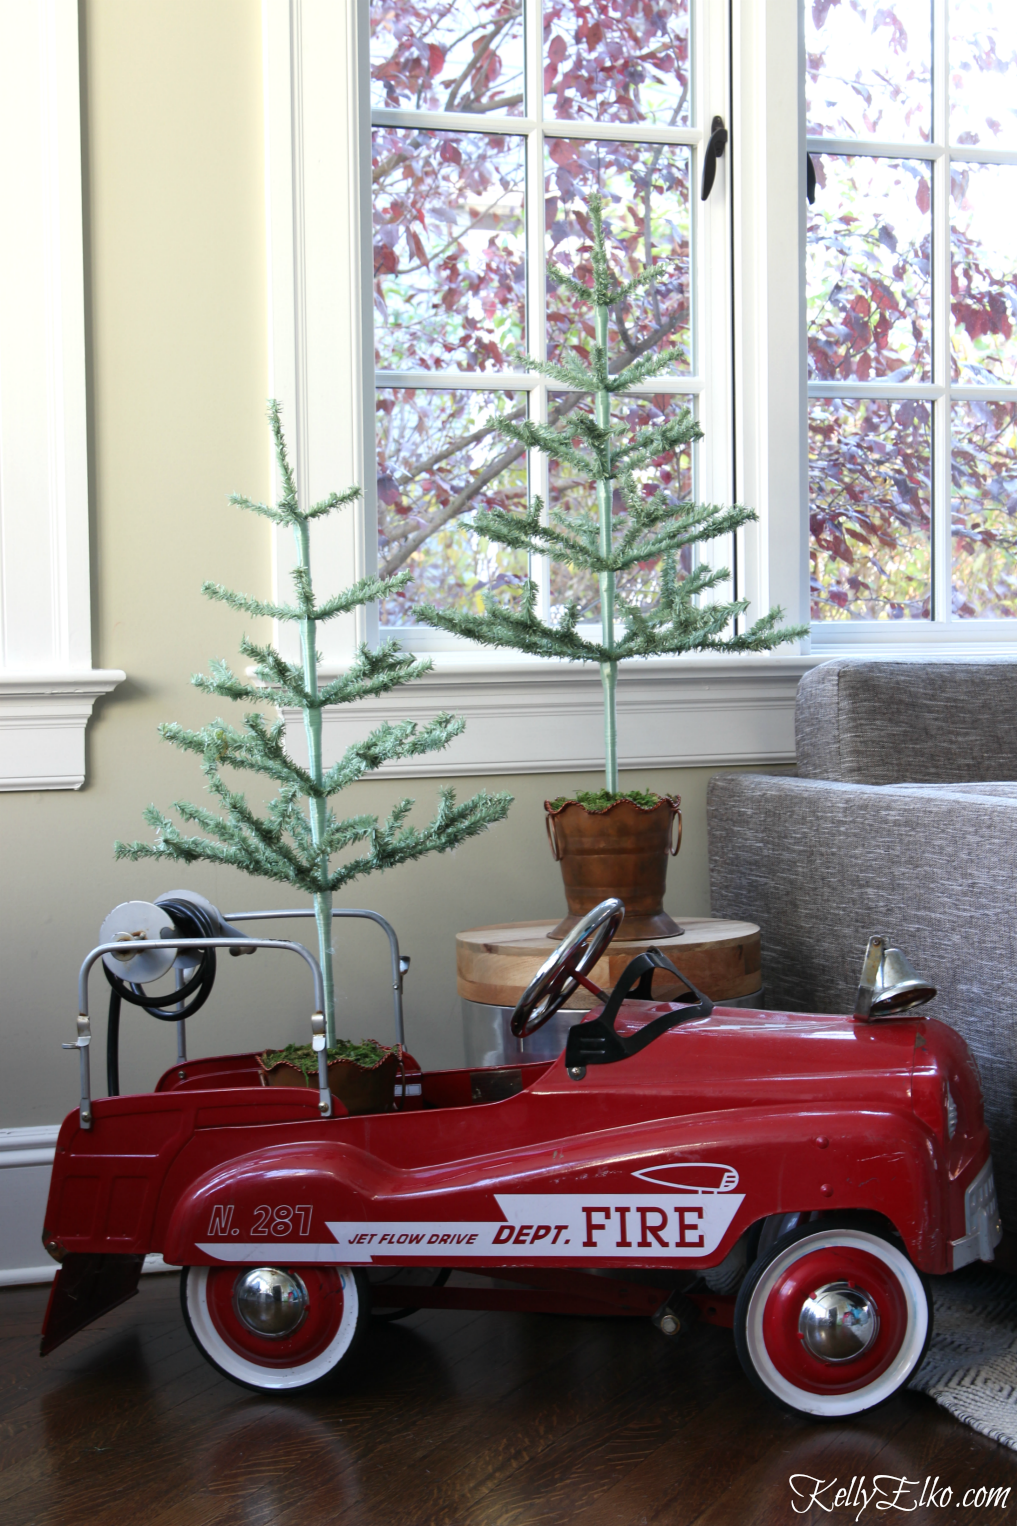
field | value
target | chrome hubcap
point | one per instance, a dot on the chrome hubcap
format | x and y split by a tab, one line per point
270	1302
838	1322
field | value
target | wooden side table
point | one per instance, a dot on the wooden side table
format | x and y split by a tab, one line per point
494	965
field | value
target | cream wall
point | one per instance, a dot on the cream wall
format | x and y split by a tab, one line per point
176	293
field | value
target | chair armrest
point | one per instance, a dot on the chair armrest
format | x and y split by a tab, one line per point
820	866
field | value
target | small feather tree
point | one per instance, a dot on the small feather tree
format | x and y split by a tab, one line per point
646	527
298	838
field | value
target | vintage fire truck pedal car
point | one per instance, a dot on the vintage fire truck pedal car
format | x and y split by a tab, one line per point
798	1177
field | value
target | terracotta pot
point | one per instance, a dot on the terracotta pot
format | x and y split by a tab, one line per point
359	1090
621	851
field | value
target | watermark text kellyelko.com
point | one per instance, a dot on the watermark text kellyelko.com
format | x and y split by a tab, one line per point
890	1491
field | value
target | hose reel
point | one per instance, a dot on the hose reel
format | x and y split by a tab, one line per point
180	914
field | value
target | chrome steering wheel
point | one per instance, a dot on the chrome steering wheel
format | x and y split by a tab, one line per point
558	976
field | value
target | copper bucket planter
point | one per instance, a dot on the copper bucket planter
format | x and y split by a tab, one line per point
360	1089
621	851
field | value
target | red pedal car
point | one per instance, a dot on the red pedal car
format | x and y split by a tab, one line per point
797	1177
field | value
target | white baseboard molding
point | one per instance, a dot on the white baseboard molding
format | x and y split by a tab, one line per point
26	1158
24	1276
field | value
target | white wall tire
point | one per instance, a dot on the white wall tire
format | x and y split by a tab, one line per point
768	1315
339	1303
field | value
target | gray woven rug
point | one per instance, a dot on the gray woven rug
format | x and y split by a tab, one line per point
971	1365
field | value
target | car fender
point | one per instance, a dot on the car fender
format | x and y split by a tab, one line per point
275	1198
306	1201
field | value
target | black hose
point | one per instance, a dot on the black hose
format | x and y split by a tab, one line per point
113	1046
190	921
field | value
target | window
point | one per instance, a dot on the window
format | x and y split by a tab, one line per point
492	122
912	314
481	154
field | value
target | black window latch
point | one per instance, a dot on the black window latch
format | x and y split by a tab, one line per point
714	151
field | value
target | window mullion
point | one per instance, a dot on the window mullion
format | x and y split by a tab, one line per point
711	277
498	127
874	148
941	368
623	132
536	264
539	485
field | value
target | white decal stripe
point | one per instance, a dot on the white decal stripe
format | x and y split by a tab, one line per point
663	1226
585	1227
268	1252
360	1243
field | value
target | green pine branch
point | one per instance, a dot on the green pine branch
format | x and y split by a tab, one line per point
374	672
391	742
646	367
263	608
571	370
553	440
393	844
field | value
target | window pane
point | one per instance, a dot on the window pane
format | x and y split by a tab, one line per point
984	293
625	63
984	475
447	55
439	458
869	509
868	269
983	73
646	218
577	497
449	290
673	472
868	70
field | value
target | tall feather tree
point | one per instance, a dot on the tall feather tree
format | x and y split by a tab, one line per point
650	527
298	839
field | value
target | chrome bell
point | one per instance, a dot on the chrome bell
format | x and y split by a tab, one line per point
889	983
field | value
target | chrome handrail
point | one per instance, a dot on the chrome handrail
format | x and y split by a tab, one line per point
84	1038
399	967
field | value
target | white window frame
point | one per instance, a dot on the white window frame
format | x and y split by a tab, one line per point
942	635
528	715
47	683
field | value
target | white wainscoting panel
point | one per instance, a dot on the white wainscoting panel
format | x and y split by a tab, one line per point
26	1157
45	593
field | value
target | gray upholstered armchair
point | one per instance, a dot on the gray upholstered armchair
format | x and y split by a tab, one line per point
902	820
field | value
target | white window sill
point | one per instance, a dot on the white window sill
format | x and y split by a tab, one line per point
531	715
914	638
43	717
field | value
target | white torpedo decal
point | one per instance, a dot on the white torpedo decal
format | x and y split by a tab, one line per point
589	1226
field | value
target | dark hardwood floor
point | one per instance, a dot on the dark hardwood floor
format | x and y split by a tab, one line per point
456	1419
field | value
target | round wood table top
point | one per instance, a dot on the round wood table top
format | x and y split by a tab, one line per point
494	965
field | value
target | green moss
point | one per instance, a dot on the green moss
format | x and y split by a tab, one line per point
603	799
367	1053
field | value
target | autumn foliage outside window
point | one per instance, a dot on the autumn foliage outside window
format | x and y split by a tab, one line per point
912	302
475	183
